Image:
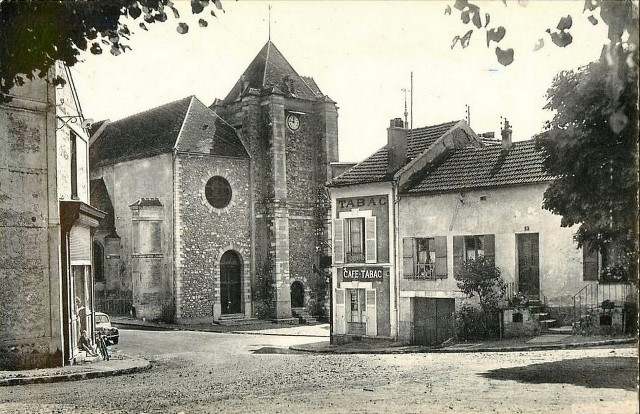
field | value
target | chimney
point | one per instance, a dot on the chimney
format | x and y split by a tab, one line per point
506	135
397	145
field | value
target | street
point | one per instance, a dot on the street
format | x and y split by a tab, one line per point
213	372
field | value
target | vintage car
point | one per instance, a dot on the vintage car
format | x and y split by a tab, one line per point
103	326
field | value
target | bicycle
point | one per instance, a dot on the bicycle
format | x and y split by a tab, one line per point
101	344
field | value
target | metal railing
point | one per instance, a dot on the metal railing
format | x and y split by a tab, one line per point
114	306
601	296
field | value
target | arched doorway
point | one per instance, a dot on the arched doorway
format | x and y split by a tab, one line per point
297	294
230	283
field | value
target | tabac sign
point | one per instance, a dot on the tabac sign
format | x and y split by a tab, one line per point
362	274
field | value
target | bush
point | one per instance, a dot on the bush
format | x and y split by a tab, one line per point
480	277
474	323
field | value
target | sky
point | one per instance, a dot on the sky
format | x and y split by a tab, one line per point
360	53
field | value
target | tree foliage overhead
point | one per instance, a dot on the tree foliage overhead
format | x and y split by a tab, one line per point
35	34
594	156
621	16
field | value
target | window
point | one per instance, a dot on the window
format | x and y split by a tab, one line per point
472	247
424	258
355	240
74	165
218	192
593	261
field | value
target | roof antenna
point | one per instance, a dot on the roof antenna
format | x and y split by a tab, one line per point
405	90
411	99
468	114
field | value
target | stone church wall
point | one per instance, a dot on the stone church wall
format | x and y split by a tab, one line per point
204	233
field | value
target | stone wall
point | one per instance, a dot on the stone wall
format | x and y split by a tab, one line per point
204	233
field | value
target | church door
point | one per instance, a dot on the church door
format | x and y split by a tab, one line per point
230	283
297	294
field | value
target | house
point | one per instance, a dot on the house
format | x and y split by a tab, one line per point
455	196
215	210
46	226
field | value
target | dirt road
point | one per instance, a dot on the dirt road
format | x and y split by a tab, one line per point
198	372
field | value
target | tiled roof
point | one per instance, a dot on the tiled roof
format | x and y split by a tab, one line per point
374	168
156	132
488	166
270	69
206	133
141	135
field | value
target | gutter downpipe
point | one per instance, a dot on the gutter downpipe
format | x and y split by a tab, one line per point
396	253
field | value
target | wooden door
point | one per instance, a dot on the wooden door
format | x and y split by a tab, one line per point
230	283
432	320
528	265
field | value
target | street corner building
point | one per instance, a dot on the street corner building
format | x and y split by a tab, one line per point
432	198
46	225
215	212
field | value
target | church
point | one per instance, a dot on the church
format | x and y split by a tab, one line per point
216	213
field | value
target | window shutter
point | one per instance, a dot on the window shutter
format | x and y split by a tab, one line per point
80	245
408	257
339	321
490	248
338	241
371	248
589	263
458	254
441	257
372	320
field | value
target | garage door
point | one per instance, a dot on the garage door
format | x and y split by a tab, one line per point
433	321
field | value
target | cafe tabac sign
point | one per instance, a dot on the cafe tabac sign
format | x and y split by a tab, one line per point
363	274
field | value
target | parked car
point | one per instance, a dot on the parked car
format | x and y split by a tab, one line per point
103	325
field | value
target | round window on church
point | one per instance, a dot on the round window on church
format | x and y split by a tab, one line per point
218	192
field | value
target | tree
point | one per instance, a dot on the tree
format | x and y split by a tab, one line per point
620	55
595	163
480	277
35	34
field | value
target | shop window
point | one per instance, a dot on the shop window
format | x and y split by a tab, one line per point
354	240
472	247
218	192
424	258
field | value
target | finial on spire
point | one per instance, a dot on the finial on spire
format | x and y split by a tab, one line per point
269	22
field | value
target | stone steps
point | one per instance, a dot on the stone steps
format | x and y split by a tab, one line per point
561	330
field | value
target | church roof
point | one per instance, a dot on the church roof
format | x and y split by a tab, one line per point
99	198
271	71
184	125
374	168
484	167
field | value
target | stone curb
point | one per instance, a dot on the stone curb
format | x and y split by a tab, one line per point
419	350
142	365
276	334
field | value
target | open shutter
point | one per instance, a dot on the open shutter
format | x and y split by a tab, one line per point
371	248
408	257
338	241
441	257
339	317
372	319
589	263
458	254
490	248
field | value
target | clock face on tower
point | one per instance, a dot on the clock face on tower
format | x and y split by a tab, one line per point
293	122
